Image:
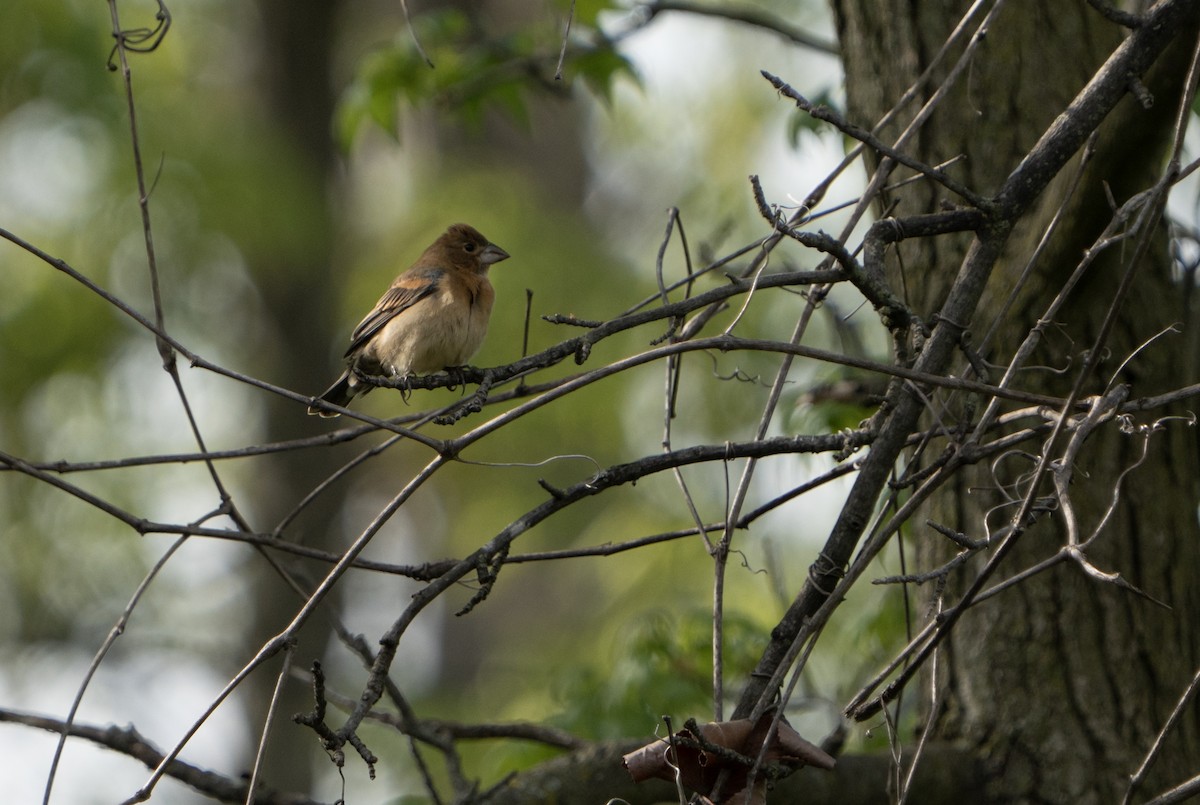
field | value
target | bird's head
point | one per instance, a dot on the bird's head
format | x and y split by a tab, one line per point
464	245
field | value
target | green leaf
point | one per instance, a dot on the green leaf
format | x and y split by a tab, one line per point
600	68
802	121
661	663
587	12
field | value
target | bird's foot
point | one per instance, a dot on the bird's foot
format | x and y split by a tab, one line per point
402	382
457	376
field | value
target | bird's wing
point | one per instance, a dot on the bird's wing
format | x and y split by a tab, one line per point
412	288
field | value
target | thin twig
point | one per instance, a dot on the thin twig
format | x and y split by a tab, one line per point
562	54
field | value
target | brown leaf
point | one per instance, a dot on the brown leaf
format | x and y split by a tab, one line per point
701	758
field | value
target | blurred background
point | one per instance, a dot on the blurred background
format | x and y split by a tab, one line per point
300	155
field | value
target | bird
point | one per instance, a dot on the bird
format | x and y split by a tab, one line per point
433	316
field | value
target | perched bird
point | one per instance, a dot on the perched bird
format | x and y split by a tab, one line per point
432	318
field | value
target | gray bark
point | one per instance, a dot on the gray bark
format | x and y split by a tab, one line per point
1060	685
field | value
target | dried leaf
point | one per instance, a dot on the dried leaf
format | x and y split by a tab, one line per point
727	746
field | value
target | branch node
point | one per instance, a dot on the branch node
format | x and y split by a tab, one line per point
1141	92
487	573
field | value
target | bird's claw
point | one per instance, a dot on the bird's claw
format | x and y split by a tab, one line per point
404	386
457	376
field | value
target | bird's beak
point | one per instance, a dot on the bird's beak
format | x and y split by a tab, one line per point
492	254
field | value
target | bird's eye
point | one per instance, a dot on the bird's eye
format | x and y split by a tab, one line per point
470	247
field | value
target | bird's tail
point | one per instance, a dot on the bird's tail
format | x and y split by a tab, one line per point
340	393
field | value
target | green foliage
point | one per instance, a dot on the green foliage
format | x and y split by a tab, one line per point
831	407
586	12
800	122
660	663
472	73
396	74
653	664
600	68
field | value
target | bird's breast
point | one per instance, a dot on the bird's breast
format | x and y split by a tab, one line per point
443	329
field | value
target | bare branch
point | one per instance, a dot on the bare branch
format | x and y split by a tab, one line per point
128	741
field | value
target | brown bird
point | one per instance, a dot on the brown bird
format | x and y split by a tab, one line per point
433	317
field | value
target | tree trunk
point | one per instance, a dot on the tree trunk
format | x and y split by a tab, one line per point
1059	685
296	86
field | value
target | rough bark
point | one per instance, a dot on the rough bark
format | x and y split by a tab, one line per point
1060	685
